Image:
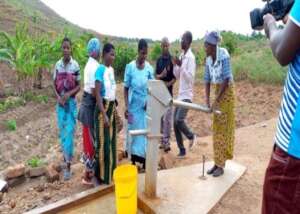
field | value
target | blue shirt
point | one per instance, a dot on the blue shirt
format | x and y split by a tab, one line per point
288	128
220	70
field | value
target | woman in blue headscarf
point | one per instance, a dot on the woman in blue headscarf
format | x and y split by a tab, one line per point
87	109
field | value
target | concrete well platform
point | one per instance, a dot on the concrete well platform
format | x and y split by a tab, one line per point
181	191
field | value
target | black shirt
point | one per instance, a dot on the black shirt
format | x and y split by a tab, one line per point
162	63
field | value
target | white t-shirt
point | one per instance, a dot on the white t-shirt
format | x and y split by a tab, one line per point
89	75
110	84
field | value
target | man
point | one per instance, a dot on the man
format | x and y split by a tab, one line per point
164	72
281	193
184	70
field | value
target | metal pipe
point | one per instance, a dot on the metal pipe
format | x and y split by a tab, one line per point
138	132
193	106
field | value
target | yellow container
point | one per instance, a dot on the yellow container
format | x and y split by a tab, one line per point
125	178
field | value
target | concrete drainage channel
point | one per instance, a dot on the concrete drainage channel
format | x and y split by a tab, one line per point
98	200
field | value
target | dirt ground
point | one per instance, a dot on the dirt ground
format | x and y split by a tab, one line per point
36	134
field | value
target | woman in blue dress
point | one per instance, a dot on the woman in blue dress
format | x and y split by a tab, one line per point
137	74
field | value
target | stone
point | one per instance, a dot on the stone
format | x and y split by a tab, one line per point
167	161
12	204
56	166
36	172
51	174
16	181
14	171
39	188
1	197
46	197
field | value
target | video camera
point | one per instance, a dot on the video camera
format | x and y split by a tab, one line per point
278	8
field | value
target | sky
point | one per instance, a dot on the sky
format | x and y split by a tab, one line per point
156	19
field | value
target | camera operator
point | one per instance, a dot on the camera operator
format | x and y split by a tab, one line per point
281	192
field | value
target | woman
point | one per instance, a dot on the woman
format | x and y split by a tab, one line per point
66	86
87	109
105	117
137	74
218	72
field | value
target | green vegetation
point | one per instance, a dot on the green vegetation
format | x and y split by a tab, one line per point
251	59
258	66
11	125
125	53
14	102
35	162
35	47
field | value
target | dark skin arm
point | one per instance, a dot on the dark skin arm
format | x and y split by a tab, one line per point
59	99
284	42
71	93
223	88
168	84
126	101
161	75
99	101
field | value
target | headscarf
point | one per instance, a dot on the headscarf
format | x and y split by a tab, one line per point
94	47
213	38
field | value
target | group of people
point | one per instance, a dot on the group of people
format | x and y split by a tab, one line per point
98	108
98	114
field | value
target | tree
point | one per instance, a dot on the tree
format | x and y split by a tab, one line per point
229	41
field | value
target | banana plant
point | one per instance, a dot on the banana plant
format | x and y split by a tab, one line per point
18	52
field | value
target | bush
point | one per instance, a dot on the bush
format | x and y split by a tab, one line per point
124	54
229	41
200	57
34	162
11	125
259	66
155	52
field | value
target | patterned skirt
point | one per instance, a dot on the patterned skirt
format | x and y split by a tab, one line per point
105	144
224	127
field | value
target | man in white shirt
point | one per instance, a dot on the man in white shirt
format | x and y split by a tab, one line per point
184	71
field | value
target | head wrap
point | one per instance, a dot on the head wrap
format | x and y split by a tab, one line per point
212	37
94	47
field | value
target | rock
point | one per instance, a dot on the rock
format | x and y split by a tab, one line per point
47	197
36	172
14	172
1	197
12	204
16	181
51	174
56	166
39	188
167	161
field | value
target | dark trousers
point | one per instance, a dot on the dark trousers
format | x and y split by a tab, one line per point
281	192
180	126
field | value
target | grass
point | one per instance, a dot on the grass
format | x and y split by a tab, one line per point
35	162
259	67
11	102
11	125
14	102
254	62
